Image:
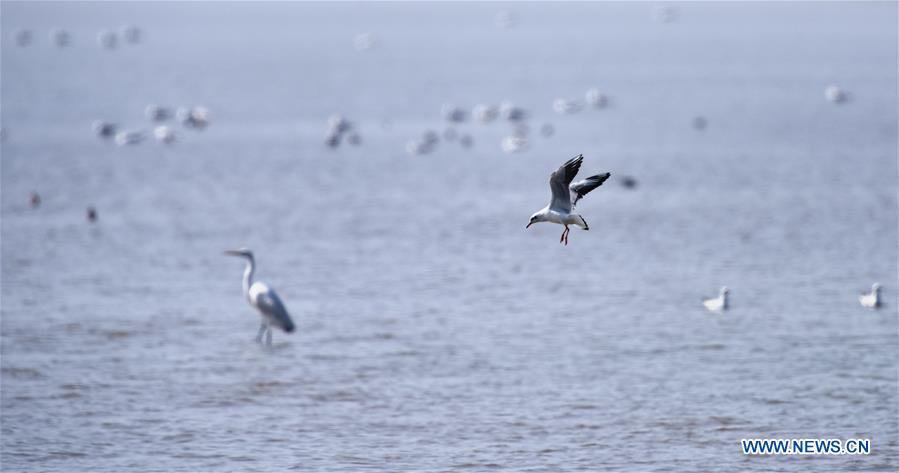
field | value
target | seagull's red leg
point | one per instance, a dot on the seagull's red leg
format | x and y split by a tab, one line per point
562	238
567	231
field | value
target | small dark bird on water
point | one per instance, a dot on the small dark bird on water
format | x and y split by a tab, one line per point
35	200
628	182
91	214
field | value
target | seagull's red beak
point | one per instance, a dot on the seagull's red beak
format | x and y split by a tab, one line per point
529	225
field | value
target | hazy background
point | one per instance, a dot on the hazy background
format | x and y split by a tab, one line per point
434	332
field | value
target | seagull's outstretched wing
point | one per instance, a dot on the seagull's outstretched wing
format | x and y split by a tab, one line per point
581	188
559	181
268	302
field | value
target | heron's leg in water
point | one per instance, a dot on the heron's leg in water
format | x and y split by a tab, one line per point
268	337
261	331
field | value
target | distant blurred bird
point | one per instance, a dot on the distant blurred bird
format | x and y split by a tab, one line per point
562	106
717	304
131	33
664	13
156	113
107	39
835	94
23	37
871	300
264	299
196	117
131	137
596	99
565	195
484	113
35	200
365	41
513	144
512	112
424	145
452	113
60	38
629	182
338	126
91	214
699	122
505	19
164	134
104	129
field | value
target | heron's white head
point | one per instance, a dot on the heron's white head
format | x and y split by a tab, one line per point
242	252
875	287
537	217
724	291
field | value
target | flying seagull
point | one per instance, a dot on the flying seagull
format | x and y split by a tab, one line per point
871	300
264	299
565	195
717	304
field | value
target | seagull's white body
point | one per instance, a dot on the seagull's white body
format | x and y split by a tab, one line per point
871	300
565	195
717	304
562	218
264	299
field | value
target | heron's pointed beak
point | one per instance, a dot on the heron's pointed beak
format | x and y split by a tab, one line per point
232	253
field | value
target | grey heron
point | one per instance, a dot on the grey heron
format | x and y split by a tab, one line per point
565	195
263	298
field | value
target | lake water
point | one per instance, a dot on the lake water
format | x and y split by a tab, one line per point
434	332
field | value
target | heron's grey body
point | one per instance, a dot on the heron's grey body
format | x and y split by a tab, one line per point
565	195
264	299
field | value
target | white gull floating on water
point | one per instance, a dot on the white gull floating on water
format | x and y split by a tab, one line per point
164	134
565	195
717	304
871	300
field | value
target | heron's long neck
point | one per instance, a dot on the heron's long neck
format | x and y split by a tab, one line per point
248	275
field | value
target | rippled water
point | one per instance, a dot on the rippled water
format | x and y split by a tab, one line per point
434	332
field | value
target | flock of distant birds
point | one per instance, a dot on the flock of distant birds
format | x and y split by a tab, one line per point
195	118
565	192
